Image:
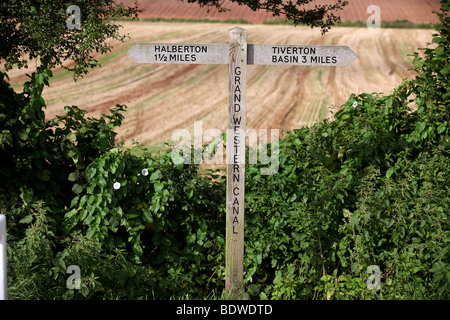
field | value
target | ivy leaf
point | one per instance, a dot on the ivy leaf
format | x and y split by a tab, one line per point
156	175
77	188
73	176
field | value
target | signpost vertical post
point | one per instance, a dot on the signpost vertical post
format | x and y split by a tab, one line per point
234	255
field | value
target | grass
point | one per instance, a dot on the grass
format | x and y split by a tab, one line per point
397	24
183	20
148	149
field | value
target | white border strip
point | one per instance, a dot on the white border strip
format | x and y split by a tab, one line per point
3	282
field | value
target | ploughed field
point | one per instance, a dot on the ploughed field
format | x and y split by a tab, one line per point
418	11
164	97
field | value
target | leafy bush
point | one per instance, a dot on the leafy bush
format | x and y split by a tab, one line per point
159	214
368	188
350	194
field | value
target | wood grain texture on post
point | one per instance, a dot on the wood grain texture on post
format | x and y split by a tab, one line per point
236	163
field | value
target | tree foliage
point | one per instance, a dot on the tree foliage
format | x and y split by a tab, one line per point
33	29
322	15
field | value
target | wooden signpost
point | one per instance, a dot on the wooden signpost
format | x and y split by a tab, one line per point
238	54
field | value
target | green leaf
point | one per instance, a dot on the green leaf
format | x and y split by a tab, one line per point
71	153
156	175
44	175
389	172
148	216
345	278
72	137
77	188
73	176
48	73
207	244
418	62
420	126
253	289
445	70
84	130
330	293
26	219
74	201
442	127
23	134
159	186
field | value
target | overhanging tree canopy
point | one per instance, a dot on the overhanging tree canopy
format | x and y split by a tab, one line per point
322	15
31	29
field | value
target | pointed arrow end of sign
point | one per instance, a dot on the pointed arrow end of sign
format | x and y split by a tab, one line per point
347	57
352	57
135	53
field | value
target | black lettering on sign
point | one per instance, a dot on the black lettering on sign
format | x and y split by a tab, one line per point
285	59
292	50
181	49
182	57
236	125
178	53
236	121
289	59
300	55
324	59
160	57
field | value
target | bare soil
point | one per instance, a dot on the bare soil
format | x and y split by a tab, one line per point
418	11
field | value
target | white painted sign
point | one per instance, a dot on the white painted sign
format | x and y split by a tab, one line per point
3	282
300	55
262	54
183	53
